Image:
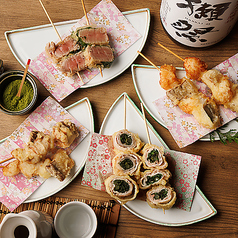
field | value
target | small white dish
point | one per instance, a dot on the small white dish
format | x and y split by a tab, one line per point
75	220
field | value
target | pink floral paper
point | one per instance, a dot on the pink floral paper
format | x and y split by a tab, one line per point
183	127
183	166
121	34
15	190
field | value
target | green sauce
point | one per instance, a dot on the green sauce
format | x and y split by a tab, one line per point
13	103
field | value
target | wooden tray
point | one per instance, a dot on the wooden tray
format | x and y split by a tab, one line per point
107	212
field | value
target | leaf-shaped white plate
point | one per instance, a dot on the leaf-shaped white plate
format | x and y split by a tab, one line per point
81	111
114	121
146	83
29	42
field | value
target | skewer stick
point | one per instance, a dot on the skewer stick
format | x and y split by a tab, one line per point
85	12
124	111
23	78
50	20
170	51
5	160
80	77
148	60
146	126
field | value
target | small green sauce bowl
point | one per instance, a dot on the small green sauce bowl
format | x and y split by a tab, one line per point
5	79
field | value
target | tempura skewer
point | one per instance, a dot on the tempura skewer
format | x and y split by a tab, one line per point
170	51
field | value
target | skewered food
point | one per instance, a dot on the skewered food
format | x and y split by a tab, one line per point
86	47
125	140
161	196
153	157
126	163
186	95
64	133
153	177
224	91
35	158
61	165
122	188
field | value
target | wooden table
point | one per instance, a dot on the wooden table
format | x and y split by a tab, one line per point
218	172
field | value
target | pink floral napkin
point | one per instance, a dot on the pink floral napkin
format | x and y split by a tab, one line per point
121	34
183	127
184	168
15	190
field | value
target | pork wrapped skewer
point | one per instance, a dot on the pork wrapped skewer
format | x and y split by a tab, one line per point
153	177
153	157
161	197
122	188
126	163
125	140
186	95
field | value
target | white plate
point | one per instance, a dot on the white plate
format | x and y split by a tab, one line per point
29	42
82	112
146	83
114	121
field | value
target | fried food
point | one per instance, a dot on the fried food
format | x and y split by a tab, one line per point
168	78
161	196
126	163
125	140
64	133
153	157
184	93
38	146
194	67
122	188
61	165
11	169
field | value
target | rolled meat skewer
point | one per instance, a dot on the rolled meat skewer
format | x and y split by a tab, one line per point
153	157
161	197
122	188
153	177
125	140
126	163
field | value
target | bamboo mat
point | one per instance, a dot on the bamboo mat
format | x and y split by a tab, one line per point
107	212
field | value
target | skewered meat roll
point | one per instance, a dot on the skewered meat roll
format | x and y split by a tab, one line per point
125	140
61	165
161	197
126	163
191	101
90	35
153	177
122	188
37	148
64	133
153	157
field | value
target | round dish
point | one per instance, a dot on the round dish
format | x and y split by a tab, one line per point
7	78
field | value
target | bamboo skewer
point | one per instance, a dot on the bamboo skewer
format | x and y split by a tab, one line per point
124	111
5	160
148	60
170	51
23	78
85	12
146	128
50	20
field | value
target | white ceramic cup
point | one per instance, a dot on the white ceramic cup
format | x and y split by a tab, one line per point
75	220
